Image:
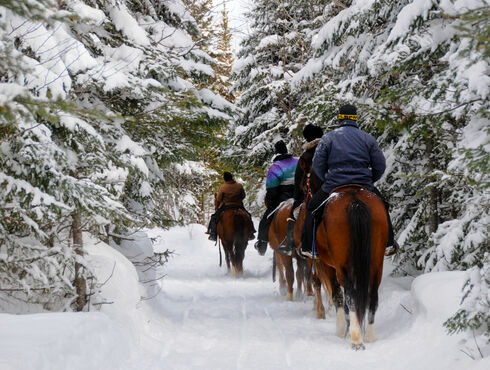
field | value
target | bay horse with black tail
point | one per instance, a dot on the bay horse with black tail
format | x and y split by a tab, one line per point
351	239
234	228
284	262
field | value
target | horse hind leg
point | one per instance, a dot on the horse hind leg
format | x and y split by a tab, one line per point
352	320
280	270
338	301
320	309
227	257
373	305
238	261
300	278
309	280
288	263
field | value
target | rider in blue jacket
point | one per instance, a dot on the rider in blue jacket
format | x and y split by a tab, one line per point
346	155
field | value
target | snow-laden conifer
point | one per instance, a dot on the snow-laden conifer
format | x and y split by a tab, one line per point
99	100
418	71
277	47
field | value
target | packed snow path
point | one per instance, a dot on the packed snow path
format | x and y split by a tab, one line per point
203	318
214	321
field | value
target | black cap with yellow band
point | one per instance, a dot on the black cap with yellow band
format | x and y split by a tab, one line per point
352	117
347	111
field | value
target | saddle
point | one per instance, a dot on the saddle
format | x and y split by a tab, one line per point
339	189
236	208
347	187
283	203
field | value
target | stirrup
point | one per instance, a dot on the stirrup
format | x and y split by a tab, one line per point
308	254
284	249
392	249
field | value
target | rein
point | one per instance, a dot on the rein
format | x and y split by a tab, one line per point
308	188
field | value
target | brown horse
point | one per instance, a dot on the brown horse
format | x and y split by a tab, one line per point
234	228
351	241
284	262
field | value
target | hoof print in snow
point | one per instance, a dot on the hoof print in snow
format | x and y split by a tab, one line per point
358	346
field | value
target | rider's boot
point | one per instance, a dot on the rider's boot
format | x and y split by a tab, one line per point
213	234
261	246
288	248
392	249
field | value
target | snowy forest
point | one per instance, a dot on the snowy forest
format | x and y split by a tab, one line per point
120	116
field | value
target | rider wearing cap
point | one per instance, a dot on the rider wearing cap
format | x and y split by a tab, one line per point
279	187
346	155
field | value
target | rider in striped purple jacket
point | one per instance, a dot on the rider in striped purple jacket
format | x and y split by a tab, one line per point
279	187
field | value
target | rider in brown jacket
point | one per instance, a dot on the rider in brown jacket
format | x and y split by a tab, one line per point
230	195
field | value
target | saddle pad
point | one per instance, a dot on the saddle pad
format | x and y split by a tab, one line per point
284	203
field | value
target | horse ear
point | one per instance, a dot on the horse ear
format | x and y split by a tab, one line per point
215	195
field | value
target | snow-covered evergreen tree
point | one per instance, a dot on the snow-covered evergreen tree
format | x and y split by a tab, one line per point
418	70
224	57
100	105
277	47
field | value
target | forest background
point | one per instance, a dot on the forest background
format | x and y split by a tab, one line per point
120	114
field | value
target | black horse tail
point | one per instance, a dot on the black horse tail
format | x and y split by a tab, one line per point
240	222
360	256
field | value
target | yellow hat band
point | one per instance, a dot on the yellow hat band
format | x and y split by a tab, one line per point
348	116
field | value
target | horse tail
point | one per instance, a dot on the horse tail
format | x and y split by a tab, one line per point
239	221
360	255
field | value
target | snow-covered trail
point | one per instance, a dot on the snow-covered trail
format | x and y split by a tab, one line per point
203	318
209	320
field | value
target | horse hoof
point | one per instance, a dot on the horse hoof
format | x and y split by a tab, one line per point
290	297
358	346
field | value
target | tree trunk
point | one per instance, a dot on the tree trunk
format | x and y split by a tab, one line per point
79	282
434	191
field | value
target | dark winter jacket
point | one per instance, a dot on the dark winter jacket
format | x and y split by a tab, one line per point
348	155
231	193
280	180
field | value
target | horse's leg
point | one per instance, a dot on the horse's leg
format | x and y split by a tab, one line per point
227	255
239	256
373	305
320	309
328	276
288	264
353	321
280	270
234	263
300	278
308	277
338	301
